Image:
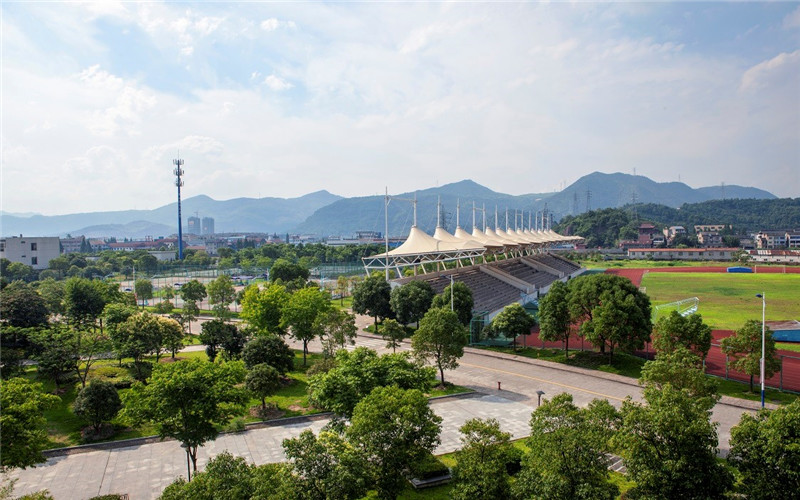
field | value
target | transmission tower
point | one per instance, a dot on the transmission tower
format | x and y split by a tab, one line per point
575	203
588	200
178	182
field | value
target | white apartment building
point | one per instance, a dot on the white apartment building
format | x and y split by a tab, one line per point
36	252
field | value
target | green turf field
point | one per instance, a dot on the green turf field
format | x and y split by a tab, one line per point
728	300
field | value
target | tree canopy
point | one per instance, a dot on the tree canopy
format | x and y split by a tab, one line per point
411	301
262	308
301	312
744	348
461	299
676	330
513	321
188	400
24	433
372	297
554	315
442	337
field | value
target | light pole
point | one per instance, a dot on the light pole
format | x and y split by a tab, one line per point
763	297
539	393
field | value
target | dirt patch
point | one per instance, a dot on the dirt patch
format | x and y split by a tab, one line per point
269	413
297	408
170	359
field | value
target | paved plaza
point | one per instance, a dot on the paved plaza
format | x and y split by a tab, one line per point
144	471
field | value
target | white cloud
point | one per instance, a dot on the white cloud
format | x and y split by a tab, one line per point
782	65
276	83
792	20
273	24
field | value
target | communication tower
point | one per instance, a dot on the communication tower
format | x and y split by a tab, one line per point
178	182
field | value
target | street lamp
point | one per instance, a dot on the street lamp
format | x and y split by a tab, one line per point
763	297
540	393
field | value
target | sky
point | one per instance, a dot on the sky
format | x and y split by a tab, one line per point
280	99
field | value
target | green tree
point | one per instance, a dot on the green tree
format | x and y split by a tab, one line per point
371	297
138	336
327	467
263	381
461	301
97	403
393	334
22	306
217	333
480	472
357	373
342	286
554	316
234	478
670	446
221	294
189	313
514	321
301	312
263	308
766	449
54	353
188	401
682	369
336	328
676	330
52	292
84	300
269	349
744	347
611	311
567	452
143	289
172	336
193	291
411	301
393	428
442	337
285	271
24	434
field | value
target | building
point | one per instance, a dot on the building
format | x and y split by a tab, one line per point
709	239
709	228
36	252
793	239
74	245
208	226
193	225
770	239
682	253
769	256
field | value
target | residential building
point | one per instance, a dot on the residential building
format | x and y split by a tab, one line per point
770	239
73	245
193	226
793	239
208	226
775	256
709	228
36	252
709	239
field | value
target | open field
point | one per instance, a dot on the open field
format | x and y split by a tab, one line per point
728	300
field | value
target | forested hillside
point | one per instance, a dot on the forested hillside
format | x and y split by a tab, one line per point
606	227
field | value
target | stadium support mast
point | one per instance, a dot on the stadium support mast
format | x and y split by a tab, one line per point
178	182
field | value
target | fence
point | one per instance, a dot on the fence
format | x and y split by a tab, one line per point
787	379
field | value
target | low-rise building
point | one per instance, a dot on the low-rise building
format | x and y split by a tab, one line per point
74	245
709	228
709	239
770	239
682	253
36	251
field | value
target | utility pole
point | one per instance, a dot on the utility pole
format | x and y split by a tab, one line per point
178	182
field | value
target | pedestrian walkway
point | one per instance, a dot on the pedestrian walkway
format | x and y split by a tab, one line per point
144	471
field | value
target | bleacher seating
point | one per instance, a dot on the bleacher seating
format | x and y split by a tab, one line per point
490	293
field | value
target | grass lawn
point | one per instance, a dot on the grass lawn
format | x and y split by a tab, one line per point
728	300
788	346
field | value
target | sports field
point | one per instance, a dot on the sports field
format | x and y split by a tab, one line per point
727	300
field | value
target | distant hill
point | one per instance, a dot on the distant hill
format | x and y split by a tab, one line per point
240	214
348	215
325	214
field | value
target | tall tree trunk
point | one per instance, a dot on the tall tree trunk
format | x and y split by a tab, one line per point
751	384
566	347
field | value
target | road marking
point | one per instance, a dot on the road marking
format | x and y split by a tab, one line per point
544	380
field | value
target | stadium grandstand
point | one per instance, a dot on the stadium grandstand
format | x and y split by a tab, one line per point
500	266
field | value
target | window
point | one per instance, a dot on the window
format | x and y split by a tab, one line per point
34	261
33	247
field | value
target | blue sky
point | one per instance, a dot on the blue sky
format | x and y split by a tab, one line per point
282	99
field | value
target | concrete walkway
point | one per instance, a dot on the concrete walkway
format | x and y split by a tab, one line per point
144	471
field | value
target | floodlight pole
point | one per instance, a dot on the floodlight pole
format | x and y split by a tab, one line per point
386	232
451	292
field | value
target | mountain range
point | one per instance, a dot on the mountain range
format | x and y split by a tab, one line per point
325	214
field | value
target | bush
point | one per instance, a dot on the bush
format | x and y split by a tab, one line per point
236	425
269	349
321	367
428	468
97	403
